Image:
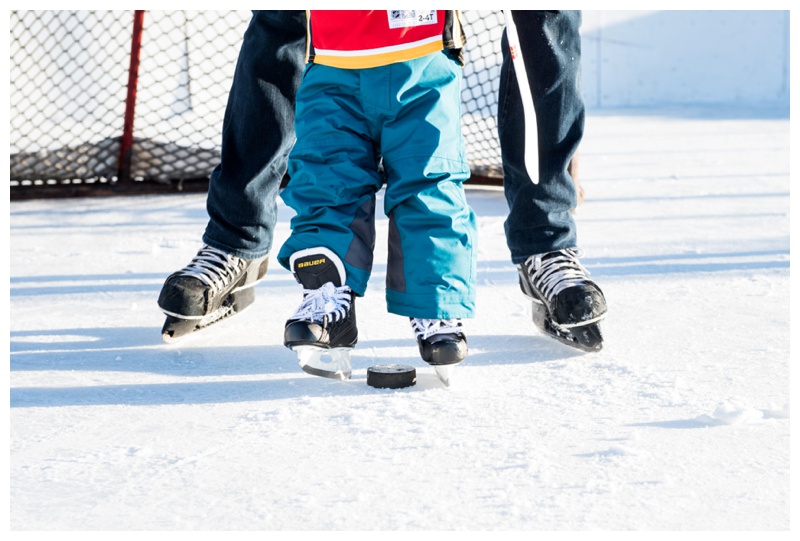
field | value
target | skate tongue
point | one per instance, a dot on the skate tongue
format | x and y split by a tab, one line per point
314	267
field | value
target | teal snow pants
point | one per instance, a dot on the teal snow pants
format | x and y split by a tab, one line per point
408	114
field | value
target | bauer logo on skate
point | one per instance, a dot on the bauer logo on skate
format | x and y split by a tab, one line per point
311	263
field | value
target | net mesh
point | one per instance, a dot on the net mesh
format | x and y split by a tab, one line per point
69	82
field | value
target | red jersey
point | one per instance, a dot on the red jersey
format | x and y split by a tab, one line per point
358	39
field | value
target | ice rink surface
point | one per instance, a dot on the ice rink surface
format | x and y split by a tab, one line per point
680	423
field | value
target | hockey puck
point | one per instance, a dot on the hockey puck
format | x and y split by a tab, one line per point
391	376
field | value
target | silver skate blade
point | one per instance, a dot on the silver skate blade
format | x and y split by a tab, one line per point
445	373
176	328
326	363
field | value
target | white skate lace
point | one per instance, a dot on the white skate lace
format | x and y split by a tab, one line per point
554	272
214	268
329	300
425	328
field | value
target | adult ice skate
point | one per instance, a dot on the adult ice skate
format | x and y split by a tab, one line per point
323	329
442	344
566	304
212	287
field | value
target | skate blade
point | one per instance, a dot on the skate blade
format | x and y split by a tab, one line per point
586	337
177	327
445	373
326	363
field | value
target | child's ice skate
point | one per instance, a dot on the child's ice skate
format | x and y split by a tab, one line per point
212	287
323	329
442	344
566	304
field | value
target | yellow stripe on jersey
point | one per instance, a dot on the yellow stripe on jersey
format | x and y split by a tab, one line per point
380	59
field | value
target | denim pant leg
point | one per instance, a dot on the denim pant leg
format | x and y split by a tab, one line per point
257	135
539	218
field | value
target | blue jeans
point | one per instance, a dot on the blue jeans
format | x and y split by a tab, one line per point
258	133
539	219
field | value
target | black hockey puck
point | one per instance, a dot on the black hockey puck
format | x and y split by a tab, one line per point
391	376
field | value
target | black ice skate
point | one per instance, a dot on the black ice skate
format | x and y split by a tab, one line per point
566	304
323	329
442	344
212	287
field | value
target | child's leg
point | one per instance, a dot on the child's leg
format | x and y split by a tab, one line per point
333	170
432	231
334	174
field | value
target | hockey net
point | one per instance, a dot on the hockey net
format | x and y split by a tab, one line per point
70	73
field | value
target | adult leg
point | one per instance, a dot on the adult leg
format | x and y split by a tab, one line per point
540	229
257	135
539	217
